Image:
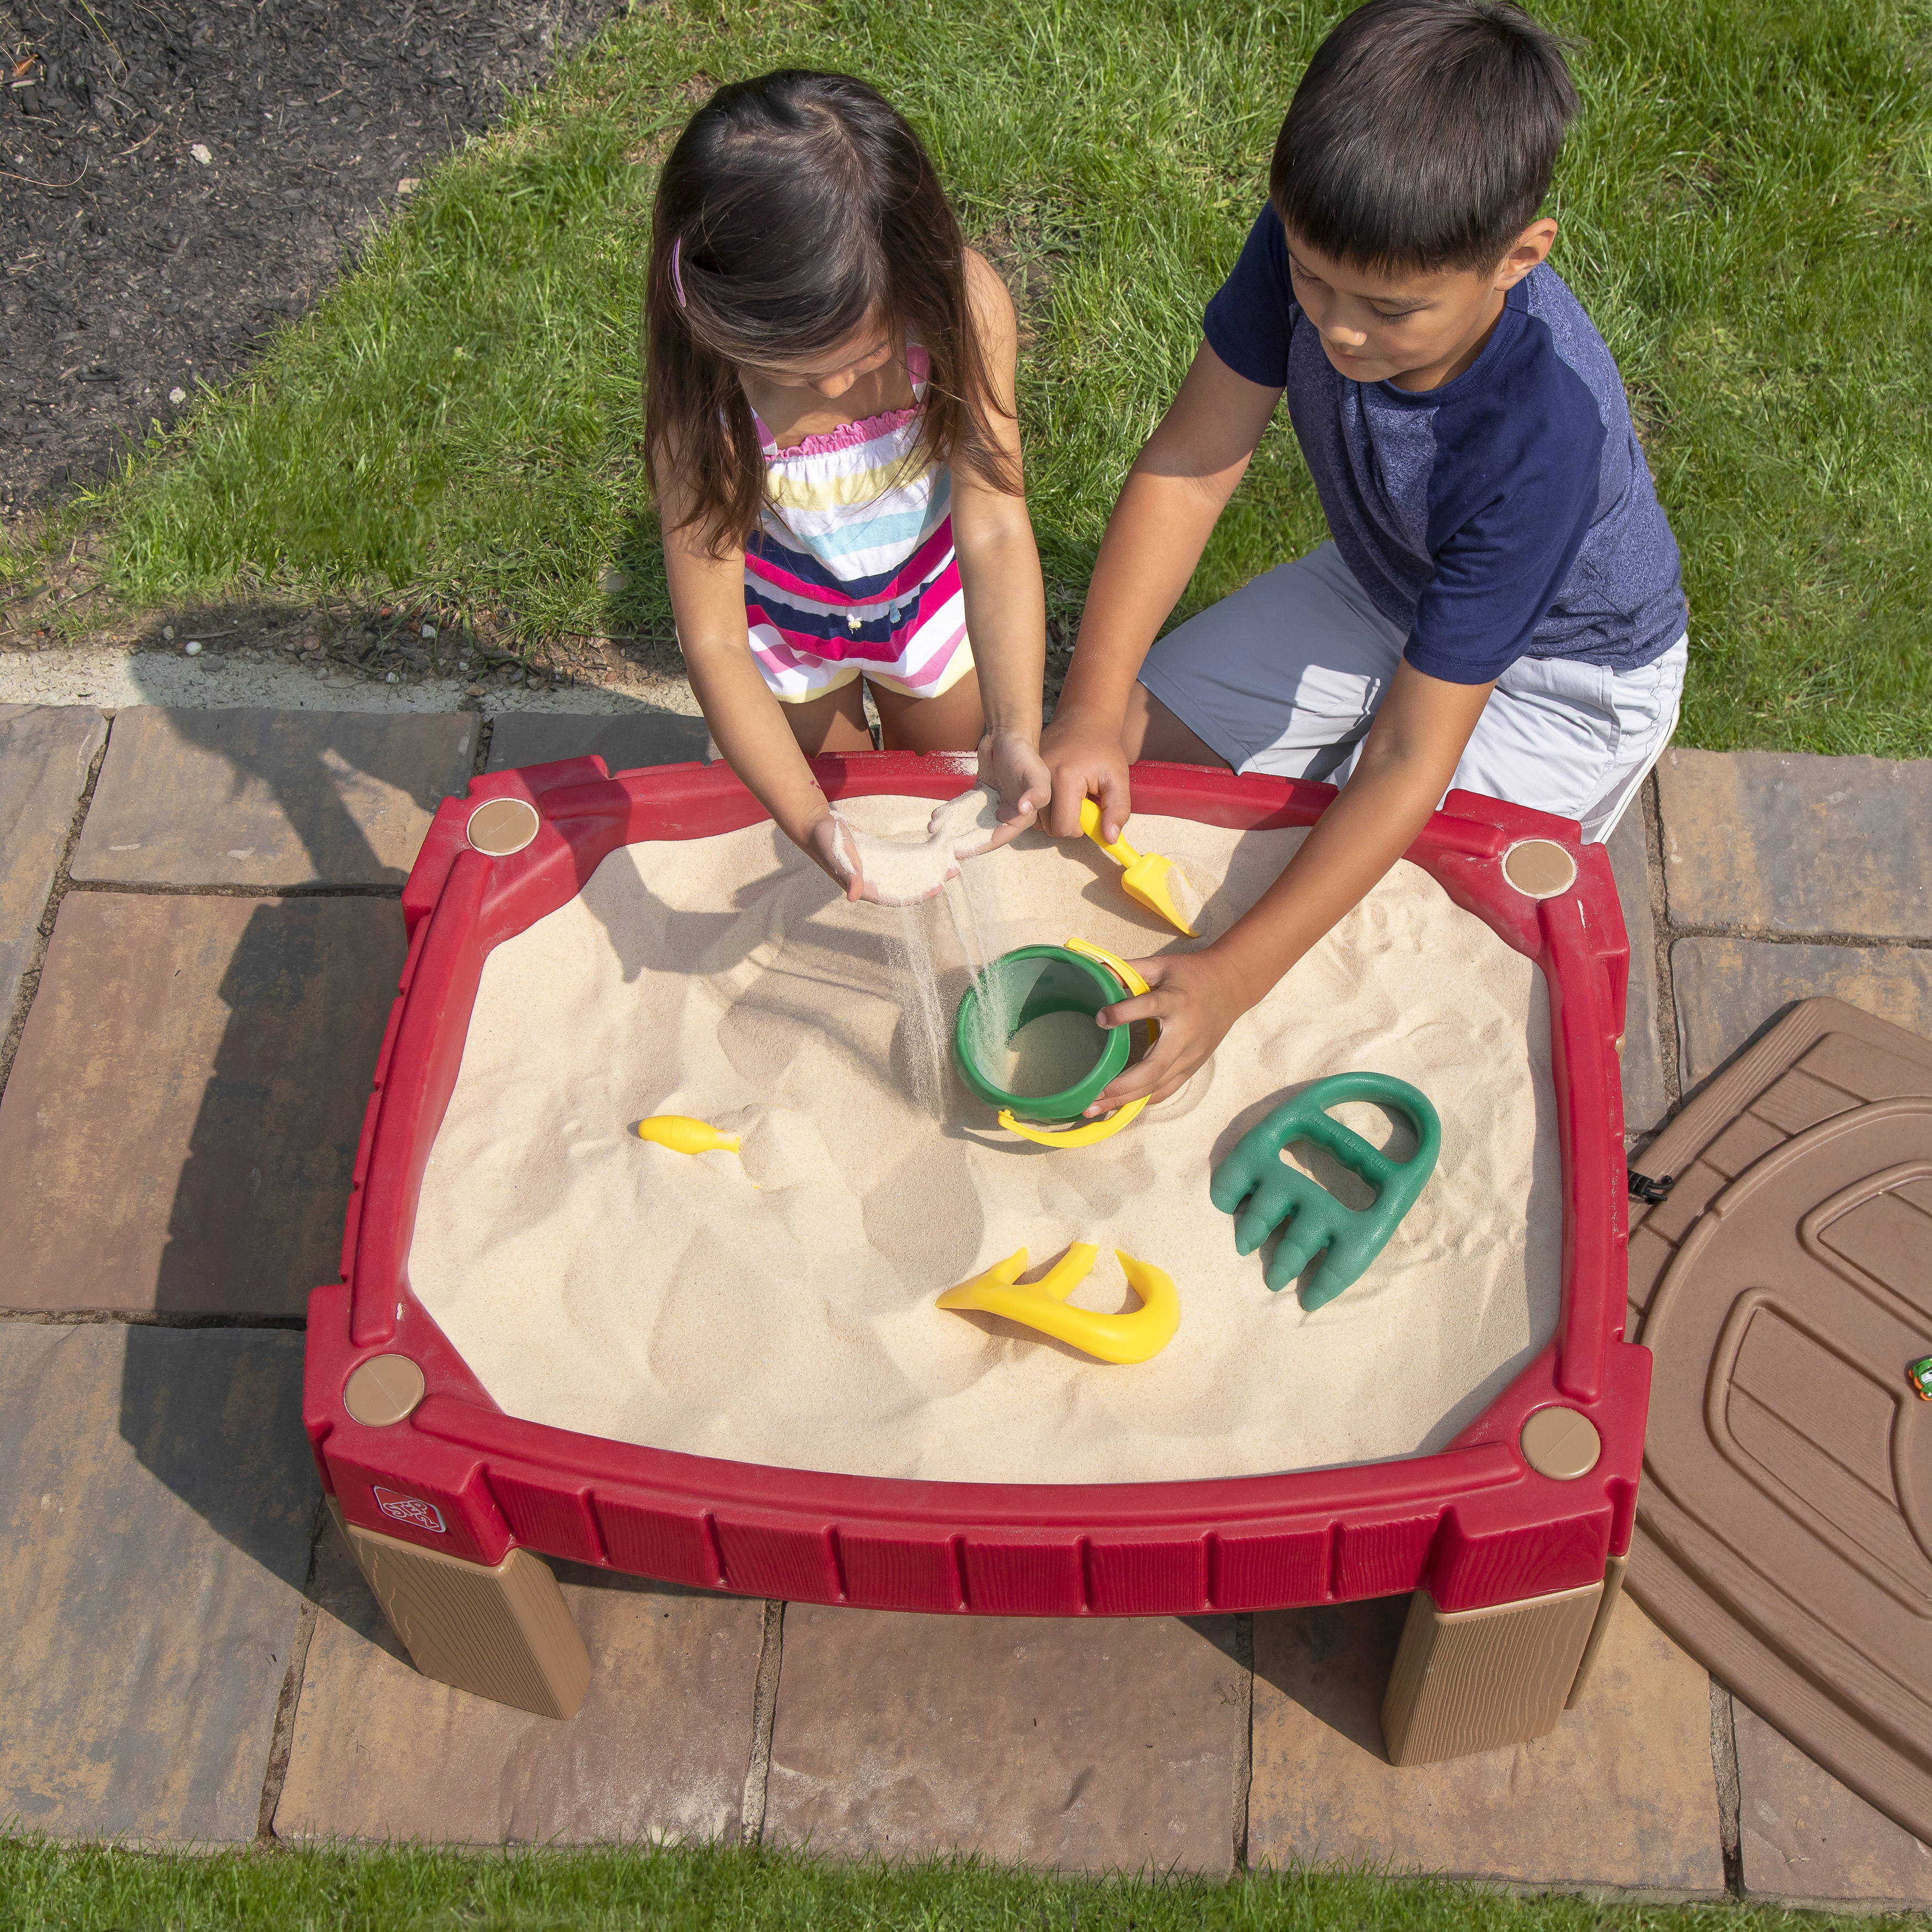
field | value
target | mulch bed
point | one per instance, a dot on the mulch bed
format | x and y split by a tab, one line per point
133	267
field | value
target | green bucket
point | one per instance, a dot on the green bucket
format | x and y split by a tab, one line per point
1028	983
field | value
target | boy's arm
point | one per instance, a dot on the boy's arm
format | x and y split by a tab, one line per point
1180	484
707	598
999	575
1407	761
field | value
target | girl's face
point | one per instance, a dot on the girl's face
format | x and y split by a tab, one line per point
832	371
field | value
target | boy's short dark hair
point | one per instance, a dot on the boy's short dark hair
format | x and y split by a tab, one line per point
1423	134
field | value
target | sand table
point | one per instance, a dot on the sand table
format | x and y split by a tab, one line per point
599	1283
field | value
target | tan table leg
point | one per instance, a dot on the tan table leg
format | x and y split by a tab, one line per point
504	1634
1613	1589
1467	1681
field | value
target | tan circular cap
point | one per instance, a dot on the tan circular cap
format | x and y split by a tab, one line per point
1559	1442
382	1390
1539	867
502	825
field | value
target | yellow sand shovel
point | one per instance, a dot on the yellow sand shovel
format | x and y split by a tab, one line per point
1134	1337
1156	883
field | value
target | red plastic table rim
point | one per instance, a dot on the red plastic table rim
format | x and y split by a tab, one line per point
1473	1522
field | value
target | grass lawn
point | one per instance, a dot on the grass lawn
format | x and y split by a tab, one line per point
1745	214
93	1889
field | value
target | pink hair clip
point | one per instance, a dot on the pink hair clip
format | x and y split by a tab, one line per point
676	275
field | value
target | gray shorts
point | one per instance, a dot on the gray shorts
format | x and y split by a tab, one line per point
1285	676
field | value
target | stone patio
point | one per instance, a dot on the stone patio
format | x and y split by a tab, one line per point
199	940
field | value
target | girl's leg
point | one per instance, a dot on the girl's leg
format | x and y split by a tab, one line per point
832	723
953	721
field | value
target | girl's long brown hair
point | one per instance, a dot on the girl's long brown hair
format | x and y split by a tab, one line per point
797	204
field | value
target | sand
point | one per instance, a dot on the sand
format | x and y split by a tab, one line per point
1188	903
599	1283
1048	1054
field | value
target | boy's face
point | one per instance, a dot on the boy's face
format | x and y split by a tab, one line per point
1416	330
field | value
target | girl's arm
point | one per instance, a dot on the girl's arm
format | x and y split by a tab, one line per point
999	572
1179	485
707	598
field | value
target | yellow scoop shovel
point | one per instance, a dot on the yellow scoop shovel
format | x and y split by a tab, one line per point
1156	883
1134	1337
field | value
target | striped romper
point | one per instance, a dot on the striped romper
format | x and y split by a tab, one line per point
850	571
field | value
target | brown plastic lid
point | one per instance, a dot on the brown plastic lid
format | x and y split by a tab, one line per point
501	826
1539	867
1784	1528
1560	1443
383	1390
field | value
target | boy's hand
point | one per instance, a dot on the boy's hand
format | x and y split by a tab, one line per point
1084	753
1011	766
1196	997
1411	755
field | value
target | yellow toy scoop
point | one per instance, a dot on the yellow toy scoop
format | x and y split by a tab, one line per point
1134	1337
683	1135
1156	883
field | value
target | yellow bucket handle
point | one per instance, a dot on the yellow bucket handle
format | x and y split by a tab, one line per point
1094	1131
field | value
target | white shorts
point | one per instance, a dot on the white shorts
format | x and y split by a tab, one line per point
1285	676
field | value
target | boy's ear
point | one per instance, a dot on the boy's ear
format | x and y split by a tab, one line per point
1529	248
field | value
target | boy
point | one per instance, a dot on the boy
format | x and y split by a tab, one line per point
1500	607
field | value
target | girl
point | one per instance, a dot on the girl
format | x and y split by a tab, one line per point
829	409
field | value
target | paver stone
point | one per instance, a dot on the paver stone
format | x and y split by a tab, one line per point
179	1129
625	742
1728	990
1802	1835
158	1496
1621	1792
1103	1745
660	1748
45	751
1646	1099
1797	843
270	798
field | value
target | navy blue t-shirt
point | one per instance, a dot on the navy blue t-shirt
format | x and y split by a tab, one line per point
1508	514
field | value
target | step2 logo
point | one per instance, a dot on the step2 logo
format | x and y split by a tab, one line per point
411	1510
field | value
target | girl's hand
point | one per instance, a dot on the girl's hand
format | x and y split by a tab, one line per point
1010	764
830	845
1196	998
833	845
